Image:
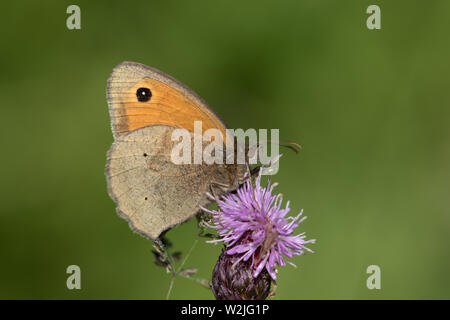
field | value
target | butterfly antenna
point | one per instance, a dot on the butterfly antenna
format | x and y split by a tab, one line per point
289	144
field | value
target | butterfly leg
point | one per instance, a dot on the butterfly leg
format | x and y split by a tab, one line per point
203	216
255	170
222	188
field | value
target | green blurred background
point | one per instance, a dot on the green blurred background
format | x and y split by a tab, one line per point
370	108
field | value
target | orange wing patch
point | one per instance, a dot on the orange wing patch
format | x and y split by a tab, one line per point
171	103
166	106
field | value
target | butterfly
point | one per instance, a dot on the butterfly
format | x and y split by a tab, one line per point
150	191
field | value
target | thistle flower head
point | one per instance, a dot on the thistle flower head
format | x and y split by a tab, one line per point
253	226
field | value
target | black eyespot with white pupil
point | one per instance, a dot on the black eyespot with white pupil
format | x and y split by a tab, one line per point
143	94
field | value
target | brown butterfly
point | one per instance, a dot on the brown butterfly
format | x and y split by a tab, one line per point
151	192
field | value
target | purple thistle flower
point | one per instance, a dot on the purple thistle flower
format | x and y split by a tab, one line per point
253	226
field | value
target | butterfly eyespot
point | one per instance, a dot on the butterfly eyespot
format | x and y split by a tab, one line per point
143	94
145	154
145	198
